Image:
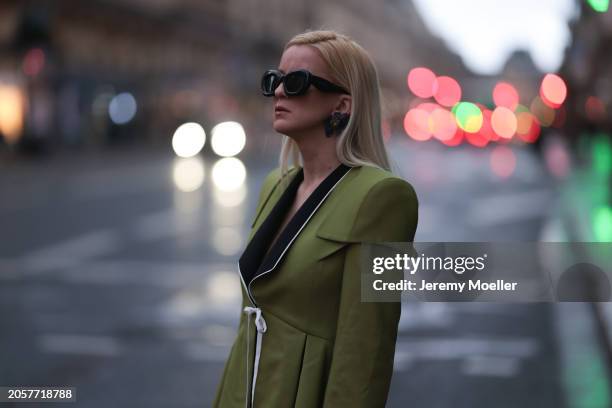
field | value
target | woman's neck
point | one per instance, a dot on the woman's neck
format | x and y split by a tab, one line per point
318	161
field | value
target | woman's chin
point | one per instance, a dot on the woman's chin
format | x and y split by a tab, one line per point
282	126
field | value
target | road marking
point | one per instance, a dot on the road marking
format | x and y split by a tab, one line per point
491	366
162	224
204	352
507	208
79	344
407	352
72	251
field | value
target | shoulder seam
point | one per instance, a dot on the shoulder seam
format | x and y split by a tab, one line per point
383	181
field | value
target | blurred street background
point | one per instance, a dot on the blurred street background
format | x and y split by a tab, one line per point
134	141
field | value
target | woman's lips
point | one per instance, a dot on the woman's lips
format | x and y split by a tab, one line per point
280	109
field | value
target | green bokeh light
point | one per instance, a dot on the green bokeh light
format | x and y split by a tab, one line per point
468	116
602	224
602	155
601	6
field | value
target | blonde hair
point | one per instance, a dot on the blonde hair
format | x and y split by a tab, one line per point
361	142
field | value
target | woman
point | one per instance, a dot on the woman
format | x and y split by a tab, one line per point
305	339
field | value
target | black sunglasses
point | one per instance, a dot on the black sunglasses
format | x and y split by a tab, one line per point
296	83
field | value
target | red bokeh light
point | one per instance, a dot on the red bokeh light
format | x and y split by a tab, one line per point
447	91
33	62
456	139
553	90
416	124
506	95
595	109
421	82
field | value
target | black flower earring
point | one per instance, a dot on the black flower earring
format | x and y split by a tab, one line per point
335	123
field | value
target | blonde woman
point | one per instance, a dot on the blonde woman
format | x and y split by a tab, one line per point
305	339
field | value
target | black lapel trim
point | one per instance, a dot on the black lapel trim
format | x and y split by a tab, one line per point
252	263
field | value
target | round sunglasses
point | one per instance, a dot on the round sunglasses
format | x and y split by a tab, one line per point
296	83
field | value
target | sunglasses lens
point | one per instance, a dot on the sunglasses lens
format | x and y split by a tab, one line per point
295	83
269	83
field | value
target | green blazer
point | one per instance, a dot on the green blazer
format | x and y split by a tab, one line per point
305	339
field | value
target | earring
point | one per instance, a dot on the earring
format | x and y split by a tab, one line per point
335	123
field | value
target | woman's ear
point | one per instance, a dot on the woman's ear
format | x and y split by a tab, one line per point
344	104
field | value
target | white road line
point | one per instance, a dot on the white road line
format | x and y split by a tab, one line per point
408	352
507	208
73	250
491	366
161	225
79	344
112	272
204	352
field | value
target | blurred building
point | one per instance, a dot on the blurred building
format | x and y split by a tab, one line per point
588	70
67	65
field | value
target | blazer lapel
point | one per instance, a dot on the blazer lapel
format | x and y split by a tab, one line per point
253	263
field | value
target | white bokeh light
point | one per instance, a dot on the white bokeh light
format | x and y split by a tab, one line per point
188	174
228	139
228	174
188	139
227	240
230	198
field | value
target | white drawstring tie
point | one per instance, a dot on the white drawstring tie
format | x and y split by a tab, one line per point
260	324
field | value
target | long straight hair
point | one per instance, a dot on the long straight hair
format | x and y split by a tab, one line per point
361	142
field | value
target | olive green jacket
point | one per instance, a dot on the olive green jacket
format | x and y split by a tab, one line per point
307	340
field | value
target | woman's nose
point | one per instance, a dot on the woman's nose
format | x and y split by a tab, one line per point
279	91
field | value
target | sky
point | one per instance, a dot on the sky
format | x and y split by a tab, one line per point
486	32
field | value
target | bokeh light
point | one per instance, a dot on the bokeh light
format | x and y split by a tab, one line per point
595	109
503	122
543	113
600	6
527	127
33	62
221	287
523	122
468	116
506	95
456	139
188	139
227	240
476	139
447	91
12	103
486	130
227	139
188	174
122	108
228	174
560	117
553	90
442	124
231	198
416	124
602	223
503	161
421	82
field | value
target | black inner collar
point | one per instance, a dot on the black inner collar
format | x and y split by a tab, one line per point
253	261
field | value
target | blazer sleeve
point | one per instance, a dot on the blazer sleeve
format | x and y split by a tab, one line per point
364	347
